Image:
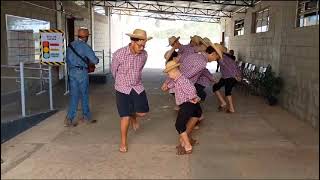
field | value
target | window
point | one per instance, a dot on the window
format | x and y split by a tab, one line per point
23	38
307	13
80	3
239	27
262	21
100	10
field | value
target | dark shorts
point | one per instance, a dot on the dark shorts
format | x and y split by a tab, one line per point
200	91
187	110
129	104
228	84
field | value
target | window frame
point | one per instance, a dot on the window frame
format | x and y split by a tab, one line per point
302	14
255	19
238	29
35	40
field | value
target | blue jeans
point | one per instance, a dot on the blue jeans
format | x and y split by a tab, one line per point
79	89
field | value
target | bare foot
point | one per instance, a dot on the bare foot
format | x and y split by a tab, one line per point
123	149
182	151
135	124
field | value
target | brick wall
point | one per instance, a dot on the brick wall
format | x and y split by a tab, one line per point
292	52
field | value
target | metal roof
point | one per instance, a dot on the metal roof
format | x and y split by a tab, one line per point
201	11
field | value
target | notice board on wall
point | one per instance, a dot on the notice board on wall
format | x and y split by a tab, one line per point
52	47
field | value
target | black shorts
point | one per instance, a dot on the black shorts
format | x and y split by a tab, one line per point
129	104
187	110
200	91
228	84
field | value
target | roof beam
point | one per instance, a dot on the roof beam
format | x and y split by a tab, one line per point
171	17
163	9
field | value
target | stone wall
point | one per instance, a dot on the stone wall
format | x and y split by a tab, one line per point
292	52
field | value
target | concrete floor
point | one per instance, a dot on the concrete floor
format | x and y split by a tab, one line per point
258	141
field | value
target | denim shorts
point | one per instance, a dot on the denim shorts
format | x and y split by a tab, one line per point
129	104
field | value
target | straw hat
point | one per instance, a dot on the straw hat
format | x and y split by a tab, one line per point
173	39
206	41
168	54
196	39
219	48
171	65
139	34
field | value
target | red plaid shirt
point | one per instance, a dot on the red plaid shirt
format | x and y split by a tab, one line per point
205	78
185	51
126	69
192	67
184	90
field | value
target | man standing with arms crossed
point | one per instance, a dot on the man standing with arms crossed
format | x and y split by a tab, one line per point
131	98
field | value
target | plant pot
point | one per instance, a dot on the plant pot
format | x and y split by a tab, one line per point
272	100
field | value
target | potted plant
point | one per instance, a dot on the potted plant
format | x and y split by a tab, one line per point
271	86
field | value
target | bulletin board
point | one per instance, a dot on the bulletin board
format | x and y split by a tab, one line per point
52	47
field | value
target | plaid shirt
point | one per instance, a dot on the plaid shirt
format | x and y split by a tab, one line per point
228	67
185	51
126	69
205	78
184	90
192	67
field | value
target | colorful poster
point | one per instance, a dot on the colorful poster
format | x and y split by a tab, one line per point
52	47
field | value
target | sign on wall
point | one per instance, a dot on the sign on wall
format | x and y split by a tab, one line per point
52	47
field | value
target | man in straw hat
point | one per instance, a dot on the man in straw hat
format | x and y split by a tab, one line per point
192	68
126	68
186	97
230	75
183	50
205	78
77	51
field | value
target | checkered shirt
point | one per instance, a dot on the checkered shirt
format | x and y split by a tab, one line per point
184	90
192	67
126	69
228	67
205	78
185	51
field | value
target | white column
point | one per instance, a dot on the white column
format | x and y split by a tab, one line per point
91	23
50	88
23	98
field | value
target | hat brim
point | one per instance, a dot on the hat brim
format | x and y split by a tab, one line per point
169	54
138	36
174	41
218	50
171	67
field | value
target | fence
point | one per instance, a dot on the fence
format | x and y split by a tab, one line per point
25	95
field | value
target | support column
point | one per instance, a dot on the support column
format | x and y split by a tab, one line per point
91	8
108	13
